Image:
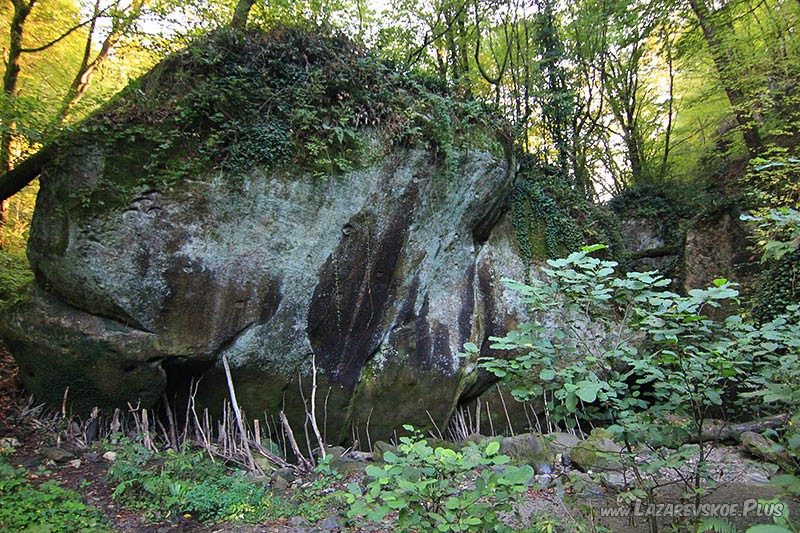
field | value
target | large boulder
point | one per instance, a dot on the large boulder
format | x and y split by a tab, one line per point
155	261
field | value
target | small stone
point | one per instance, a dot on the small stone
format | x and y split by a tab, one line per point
110	456
91	457
335	451
614	481
298	521
583	483
279	484
330	524
346	465
30	461
75	463
59	455
563	443
542	481
530	449
757	477
282	478
766	449
9	444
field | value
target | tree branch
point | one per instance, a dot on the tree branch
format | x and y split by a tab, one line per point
66	34
15	180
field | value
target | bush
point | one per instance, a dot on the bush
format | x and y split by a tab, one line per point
653	365
440	489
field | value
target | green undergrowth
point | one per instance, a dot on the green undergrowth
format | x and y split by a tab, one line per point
15	270
287	99
168	484
439	489
31	502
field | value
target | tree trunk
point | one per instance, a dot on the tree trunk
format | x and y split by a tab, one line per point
241	14
10	81
724	61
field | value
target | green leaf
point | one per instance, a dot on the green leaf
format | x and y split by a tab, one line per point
587	390
547	374
471	347
492	448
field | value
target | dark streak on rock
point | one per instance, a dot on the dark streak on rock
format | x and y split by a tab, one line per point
467	307
350	301
492	327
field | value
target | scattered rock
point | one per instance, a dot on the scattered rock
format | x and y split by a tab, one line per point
346	465
330	524
542	481
335	451
282	478
597	452
766	449
298	521
91	457
9	444
110	456
279	484
531	449
562	443
361	456
615	480
477	438
583	483
59	455
29	461
379	448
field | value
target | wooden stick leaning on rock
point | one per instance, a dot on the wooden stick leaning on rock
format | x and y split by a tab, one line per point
239	421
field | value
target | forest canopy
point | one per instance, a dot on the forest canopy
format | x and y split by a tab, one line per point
611	93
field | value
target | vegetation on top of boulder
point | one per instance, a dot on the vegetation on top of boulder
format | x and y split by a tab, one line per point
234	101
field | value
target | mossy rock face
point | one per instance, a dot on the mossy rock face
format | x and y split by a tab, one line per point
195	218
66	353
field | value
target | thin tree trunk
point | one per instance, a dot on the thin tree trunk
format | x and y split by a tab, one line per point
724	61
88	68
670	109
241	13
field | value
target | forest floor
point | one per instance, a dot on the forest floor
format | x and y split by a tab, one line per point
87	475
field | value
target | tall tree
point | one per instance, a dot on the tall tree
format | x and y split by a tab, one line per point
10	85
719	34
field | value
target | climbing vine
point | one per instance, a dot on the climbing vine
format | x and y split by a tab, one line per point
544	230
777	288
